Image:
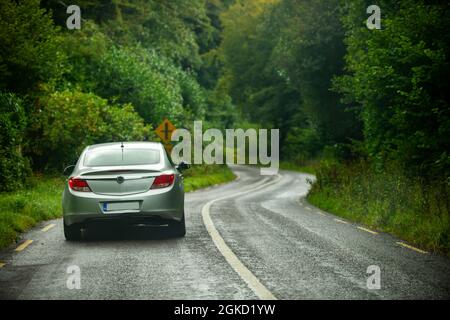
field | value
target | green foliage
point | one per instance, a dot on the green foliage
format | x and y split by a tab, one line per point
14	168
280	58
245	52
30	51
125	77
220	111
399	78
175	29
308	53
302	144
389	201
153	84
22	209
311	68
13	120
71	120
342	92
308	166
202	176
139	53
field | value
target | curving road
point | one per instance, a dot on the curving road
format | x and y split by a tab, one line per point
255	238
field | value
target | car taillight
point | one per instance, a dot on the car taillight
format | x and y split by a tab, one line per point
79	185
163	181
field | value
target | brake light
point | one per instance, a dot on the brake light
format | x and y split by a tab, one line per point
79	185
163	181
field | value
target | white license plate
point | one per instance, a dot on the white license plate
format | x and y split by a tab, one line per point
120	206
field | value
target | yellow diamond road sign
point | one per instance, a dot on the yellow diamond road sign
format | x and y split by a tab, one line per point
165	130
168	148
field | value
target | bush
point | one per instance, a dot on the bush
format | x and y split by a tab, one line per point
22	209
301	144
14	168
129	79
156	87
71	120
399	77
202	176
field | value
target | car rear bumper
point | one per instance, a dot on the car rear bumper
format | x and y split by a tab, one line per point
154	218
155	205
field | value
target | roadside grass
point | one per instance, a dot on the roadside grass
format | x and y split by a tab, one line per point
202	176
23	209
291	166
388	201
41	200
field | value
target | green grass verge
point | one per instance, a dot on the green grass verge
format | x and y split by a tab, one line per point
311	169
202	176
423	231
23	209
388	202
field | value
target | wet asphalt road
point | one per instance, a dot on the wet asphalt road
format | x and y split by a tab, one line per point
295	251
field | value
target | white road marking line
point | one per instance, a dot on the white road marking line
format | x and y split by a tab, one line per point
368	230
25	244
250	279
411	247
302	204
341	221
46	228
322	214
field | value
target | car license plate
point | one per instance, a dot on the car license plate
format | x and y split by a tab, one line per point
120	206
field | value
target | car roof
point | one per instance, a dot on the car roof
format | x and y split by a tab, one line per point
113	145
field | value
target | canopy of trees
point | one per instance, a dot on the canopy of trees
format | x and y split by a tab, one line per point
314	69
132	64
309	67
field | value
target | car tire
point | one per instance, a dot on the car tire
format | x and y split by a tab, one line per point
179	228
72	233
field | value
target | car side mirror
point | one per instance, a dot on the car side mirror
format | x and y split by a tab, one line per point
67	170
182	166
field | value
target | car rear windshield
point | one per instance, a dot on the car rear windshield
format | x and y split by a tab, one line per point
119	157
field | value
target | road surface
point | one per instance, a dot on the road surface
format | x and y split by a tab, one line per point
254	238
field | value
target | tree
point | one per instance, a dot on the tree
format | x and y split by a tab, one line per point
14	168
175	29
399	78
152	83
309	54
71	120
30	47
280	58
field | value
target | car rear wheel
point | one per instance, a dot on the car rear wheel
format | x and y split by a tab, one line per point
178	228
72	233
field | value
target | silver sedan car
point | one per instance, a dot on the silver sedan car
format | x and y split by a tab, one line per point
132	182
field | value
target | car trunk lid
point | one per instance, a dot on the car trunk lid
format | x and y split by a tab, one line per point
120	182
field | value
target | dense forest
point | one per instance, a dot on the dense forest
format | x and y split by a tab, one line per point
369	109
